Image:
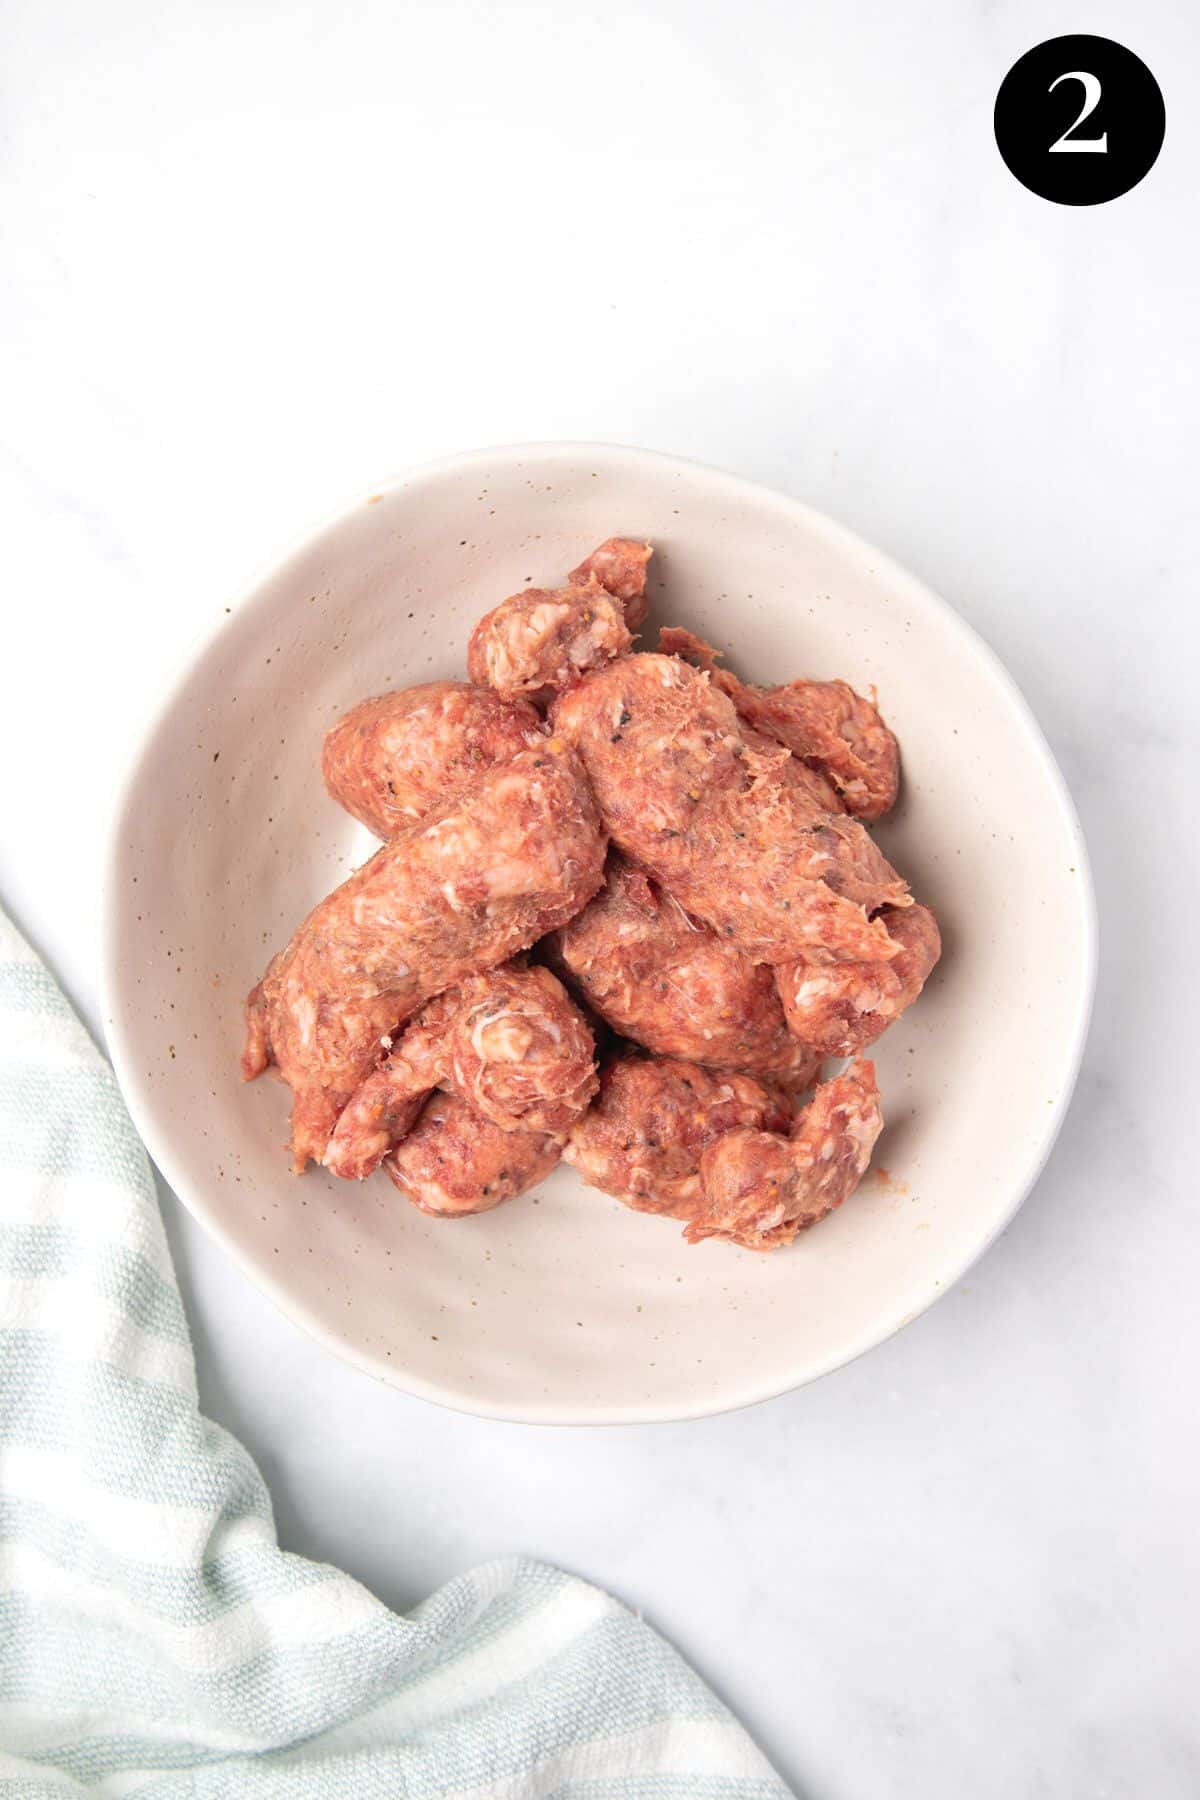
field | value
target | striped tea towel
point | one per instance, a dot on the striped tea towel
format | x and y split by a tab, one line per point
154	1638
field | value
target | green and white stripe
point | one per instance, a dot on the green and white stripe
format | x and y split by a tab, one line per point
154	1638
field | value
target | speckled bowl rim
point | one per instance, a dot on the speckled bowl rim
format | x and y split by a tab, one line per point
113	900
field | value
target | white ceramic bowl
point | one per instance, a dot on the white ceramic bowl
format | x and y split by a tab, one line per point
564	1306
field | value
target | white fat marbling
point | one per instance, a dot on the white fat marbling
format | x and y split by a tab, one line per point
256	256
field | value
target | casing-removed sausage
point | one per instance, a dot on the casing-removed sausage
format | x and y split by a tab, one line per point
658	976
391	760
477	881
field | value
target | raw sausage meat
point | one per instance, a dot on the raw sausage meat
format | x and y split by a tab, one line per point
391	760
740	848
761	1189
666	981
837	730
540	641
619	564
379	1114
824	723
781	878
477	881
840	1008
511	1043
791	771
655	737
675	641
453	1162
643	1136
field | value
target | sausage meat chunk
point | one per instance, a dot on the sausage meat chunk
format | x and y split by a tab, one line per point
658	976
770	871
391	760
824	723
619	564
655	737
643	1137
740	848
761	1189
510	1042
831	726
790	771
841	1008
454	1162
473	884
536	643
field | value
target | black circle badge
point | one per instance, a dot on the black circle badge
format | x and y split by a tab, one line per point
1079	120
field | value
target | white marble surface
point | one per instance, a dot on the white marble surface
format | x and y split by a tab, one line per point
256	255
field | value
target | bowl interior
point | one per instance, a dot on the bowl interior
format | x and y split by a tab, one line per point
563	1305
